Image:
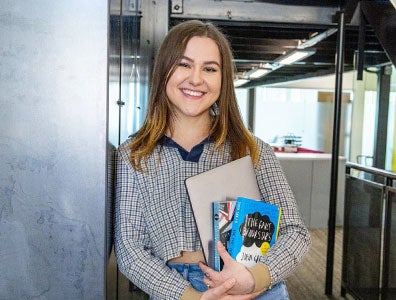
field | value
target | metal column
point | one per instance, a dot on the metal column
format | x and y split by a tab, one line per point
381	130
335	153
53	143
251	108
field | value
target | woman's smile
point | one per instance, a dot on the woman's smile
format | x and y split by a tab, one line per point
192	93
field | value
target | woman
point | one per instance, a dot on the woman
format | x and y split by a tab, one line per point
193	124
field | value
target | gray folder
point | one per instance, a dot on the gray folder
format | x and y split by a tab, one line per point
226	182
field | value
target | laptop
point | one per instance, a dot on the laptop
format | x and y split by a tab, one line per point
226	182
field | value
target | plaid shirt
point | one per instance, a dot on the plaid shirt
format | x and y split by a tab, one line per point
154	221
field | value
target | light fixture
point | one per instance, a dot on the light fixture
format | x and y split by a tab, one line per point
238	81
294	56
260	71
316	38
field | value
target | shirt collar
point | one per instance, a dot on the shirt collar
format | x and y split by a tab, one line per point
193	155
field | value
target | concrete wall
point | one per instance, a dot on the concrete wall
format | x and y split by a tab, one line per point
53	134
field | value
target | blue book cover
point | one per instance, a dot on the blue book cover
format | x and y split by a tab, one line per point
223	213
254	230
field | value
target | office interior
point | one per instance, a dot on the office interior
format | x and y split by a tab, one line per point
75	78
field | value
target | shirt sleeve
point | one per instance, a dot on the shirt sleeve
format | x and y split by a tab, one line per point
293	239
132	242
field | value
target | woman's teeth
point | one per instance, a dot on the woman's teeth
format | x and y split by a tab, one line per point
192	93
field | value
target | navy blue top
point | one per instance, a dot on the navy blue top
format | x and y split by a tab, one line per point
193	155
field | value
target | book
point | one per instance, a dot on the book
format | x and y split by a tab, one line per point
223	213
226	182
255	229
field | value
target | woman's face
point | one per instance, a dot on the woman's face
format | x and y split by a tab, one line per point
196	82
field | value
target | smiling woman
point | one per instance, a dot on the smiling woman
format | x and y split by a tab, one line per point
193	125
161	115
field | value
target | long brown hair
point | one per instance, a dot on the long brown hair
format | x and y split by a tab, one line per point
227	125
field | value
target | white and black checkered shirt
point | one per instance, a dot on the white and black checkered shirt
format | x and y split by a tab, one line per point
154	222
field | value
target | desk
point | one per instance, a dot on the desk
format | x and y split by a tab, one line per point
309	176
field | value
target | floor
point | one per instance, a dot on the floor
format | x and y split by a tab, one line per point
308	282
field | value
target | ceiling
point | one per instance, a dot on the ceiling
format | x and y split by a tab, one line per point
259	42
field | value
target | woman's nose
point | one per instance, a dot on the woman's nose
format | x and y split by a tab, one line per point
196	76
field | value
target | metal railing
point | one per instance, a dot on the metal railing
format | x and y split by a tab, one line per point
369	243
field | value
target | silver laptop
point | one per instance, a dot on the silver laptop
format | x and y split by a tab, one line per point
227	182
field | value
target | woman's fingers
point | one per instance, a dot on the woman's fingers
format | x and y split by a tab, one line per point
231	269
223	253
220	292
227	285
211	278
207	270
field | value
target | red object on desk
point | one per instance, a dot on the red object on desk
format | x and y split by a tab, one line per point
301	150
305	150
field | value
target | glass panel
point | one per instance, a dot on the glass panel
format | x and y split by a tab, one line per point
391	138
363	209
242	99
299	112
114	76
127	88
370	108
280	111
113	137
391	293
131	116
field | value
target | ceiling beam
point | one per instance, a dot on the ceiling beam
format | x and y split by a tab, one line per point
253	11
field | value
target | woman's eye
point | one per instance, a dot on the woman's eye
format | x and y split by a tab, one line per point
184	65
210	69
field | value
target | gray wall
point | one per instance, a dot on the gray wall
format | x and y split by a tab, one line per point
53	134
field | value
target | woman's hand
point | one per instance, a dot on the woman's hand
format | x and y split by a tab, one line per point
231	269
221	292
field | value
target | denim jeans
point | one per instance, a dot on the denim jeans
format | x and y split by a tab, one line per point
194	275
277	292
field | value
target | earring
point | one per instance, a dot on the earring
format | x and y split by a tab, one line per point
214	109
